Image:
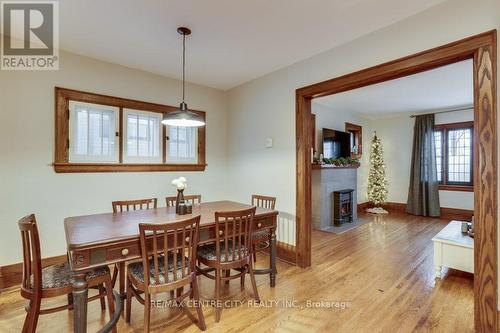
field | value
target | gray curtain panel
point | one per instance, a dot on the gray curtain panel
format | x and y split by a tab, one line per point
423	193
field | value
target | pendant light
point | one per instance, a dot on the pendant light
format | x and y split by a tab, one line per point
183	117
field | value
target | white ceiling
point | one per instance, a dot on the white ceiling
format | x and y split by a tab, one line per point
438	89
232	42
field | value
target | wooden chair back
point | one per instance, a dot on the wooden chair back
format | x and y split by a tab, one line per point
175	243
32	264
193	199
263	201
233	232
127	205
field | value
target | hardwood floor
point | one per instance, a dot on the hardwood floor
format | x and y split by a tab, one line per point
383	269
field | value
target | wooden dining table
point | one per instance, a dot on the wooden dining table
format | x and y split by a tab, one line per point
113	238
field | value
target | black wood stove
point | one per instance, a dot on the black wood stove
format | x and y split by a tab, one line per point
342	206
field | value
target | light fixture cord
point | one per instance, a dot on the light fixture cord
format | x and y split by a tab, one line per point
183	65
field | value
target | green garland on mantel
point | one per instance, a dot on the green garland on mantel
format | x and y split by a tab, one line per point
350	162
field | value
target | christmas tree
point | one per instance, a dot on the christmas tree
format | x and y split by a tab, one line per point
377	184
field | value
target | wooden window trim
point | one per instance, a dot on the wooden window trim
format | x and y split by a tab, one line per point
358	134
464	124
456	188
61	153
445	185
313	132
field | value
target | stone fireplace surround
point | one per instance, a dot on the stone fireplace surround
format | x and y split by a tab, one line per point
325	181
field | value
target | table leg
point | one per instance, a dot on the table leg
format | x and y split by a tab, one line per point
272	257
80	293
438	271
438	259
121	277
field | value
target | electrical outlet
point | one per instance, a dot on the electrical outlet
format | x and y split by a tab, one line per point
269	142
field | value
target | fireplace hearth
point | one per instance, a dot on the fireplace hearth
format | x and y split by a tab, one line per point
342	206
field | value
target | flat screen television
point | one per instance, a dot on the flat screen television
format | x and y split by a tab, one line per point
336	144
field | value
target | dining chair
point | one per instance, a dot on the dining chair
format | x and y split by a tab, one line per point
193	199
55	280
233	232
260	238
125	206
170	263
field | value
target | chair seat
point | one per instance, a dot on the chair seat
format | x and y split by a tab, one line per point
59	275
209	252
136	269
260	235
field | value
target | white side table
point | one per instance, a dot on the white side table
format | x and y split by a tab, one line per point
453	249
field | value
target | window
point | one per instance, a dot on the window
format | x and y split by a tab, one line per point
182	144
454	152
96	133
329	149
143	142
92	132
356	140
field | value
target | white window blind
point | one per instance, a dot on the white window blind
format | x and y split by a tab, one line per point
92	133
182	145
142	135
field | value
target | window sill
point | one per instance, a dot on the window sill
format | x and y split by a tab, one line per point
456	188
103	167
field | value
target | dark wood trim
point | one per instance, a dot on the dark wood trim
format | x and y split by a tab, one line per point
485	194
164	144
389	206
284	252
482	48
120	136
202	146
412	64
126	103
456	214
395	206
96	167
445	184
61	153
11	275
464	124
456	188
303	207
313	132
61	126
446	212
362	206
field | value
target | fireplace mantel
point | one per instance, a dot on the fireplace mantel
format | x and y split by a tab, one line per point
331	167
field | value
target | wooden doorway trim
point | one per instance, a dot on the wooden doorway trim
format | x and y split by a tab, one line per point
482	49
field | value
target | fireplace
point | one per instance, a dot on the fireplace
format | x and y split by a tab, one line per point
342	206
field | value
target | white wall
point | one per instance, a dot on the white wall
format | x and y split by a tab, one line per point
326	117
396	134
29	184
